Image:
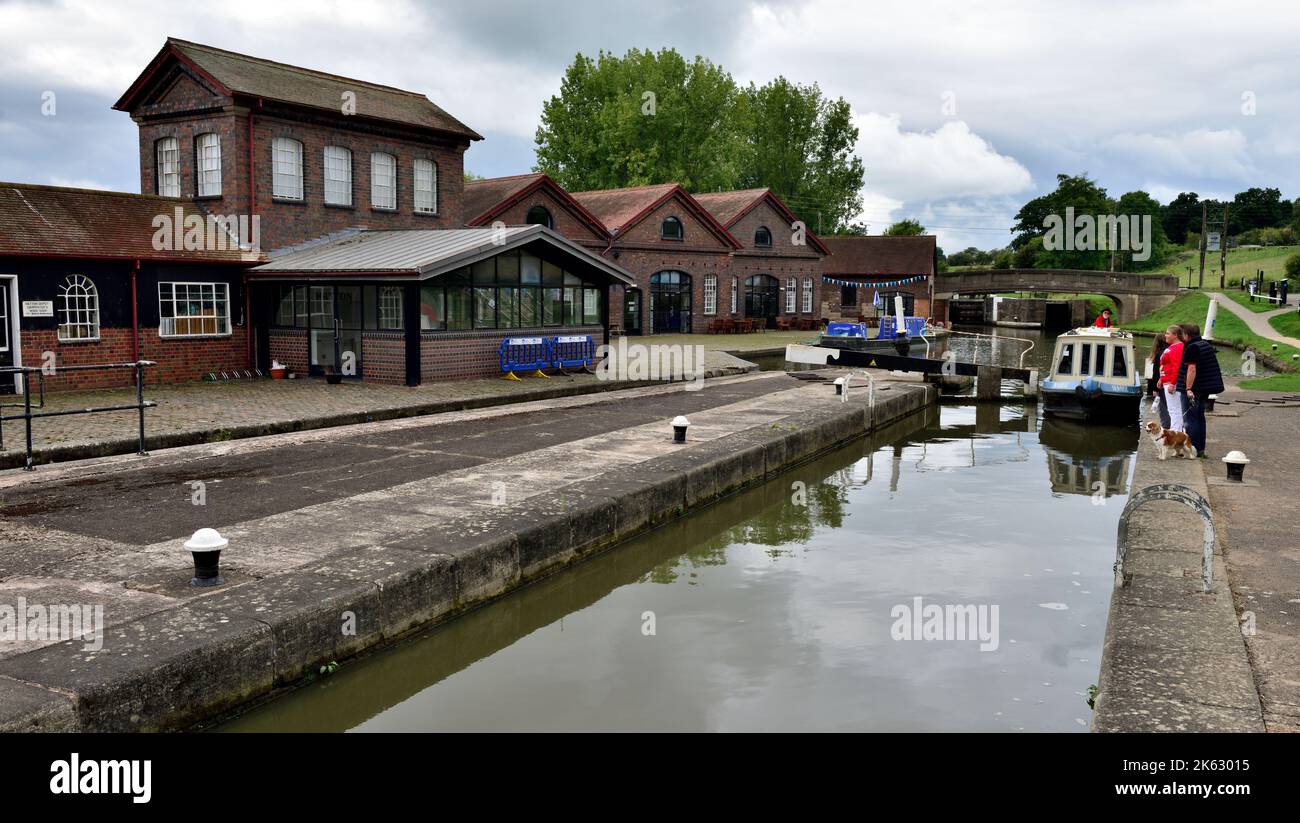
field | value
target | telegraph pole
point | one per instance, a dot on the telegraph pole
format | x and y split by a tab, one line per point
1200	283
1223	251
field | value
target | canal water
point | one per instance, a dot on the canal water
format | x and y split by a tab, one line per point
785	607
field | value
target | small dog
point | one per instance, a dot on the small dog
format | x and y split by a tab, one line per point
1169	440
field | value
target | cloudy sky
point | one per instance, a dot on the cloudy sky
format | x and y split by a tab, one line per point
966	109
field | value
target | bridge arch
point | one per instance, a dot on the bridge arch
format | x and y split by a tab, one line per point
1134	294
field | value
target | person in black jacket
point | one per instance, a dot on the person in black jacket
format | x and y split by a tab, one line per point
1198	377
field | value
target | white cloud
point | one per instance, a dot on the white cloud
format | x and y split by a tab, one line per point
1200	153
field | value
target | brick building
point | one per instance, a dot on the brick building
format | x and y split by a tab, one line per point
860	268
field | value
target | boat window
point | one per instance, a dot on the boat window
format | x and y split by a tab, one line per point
1085	359
1066	364
1119	368
1099	367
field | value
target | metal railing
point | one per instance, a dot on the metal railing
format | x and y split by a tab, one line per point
1179	494
28	415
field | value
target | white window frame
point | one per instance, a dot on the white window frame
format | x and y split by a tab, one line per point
338	175
735	294
167	166
219	296
207	164
791	294
426	186
378	187
807	295
78	309
286	169
390	307
710	294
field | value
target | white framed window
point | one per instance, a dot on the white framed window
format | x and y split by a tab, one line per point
791	294
338	176
383	180
167	167
78	309
390	307
735	294
207	164
807	295
710	294
193	309
426	187
286	168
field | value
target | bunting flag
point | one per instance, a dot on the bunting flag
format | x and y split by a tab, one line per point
834	281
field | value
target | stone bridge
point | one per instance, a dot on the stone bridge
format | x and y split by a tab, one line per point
1134	294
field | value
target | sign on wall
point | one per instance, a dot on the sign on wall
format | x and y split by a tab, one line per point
38	308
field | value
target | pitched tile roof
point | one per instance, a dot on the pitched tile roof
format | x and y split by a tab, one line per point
50	220
728	205
878	254
483	195
616	207
256	77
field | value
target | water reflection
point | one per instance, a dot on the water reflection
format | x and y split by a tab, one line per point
773	612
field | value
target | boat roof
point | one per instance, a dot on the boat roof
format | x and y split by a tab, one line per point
1098	332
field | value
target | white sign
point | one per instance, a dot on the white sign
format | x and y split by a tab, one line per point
1212	241
38	308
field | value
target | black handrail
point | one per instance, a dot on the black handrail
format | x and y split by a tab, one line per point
28	415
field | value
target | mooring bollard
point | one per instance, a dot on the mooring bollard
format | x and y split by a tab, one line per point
1209	402
1236	462
679	428
206	545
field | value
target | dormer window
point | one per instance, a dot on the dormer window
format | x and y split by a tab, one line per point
671	229
286	169
207	164
539	216
383	181
763	237
167	167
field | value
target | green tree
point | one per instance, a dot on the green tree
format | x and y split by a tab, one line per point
1032	221
905	228
654	117
1256	208
1141	204
1183	214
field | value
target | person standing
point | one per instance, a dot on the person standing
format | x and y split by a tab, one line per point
1154	388
1170	361
1103	320
1199	377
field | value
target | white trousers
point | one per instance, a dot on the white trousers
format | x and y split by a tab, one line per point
1175	405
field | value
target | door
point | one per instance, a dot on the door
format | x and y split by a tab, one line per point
8	313
335	330
632	311
670	302
762	296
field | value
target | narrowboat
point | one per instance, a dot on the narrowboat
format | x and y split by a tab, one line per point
1094	376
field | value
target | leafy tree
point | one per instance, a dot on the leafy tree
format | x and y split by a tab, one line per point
1183	214
1141	204
470	176
1079	192
1295	215
654	117
1256	208
905	228
1293	267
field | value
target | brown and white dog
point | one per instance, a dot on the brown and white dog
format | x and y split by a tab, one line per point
1169	440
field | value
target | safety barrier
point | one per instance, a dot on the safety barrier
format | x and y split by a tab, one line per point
573	352
525	354
913	326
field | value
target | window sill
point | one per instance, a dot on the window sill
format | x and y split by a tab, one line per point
673	239
290	201
218	336
419	213
383	210
74	340
343	206
209	197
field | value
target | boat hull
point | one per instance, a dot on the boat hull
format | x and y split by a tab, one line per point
1099	407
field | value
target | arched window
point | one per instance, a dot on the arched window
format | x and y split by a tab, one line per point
383	180
426	186
207	164
286	168
671	229
539	216
78	309
167	167
762	237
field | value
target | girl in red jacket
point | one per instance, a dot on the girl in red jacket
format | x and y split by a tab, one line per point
1169	363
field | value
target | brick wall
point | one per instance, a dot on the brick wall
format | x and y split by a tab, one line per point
383	357
783	260
179	360
289	347
457	355
564	220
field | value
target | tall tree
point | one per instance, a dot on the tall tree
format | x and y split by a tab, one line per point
1141	204
654	117
1183	214
1087	198
1256	208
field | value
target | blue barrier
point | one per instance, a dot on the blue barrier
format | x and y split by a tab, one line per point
573	352
525	353
846	330
914	326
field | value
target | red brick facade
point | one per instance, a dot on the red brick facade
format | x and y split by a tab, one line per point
178	360
458	355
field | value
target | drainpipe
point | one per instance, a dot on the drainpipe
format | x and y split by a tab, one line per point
135	314
252	210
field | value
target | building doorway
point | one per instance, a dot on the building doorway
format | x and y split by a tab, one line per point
632	311
762	298
334	333
9	339
670	302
